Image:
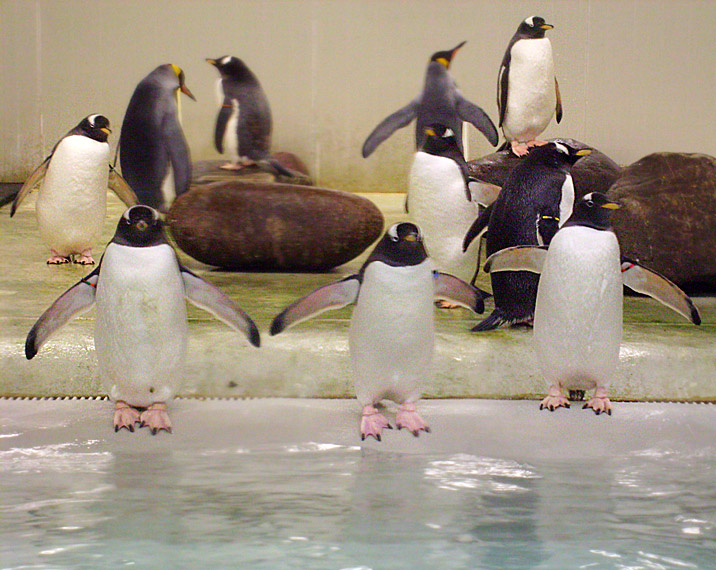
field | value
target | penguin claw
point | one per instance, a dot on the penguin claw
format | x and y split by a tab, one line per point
155	417
600	405
552	402
125	416
409	419
373	423
57	260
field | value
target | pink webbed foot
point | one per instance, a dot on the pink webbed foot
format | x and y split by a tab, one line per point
84	258
231	166
555	399
372	423
442	304
530	144
125	416
600	405
519	148
155	417
57	259
408	418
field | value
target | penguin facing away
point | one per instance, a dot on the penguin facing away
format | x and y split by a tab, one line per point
536	199
153	152
141	331
72	201
527	89
440	202
391	336
243	125
441	102
578	319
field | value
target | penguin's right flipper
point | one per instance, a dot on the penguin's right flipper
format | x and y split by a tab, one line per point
221	121
205	296
75	301
30	184
389	125
178	151
647	282
474	115
332	296
558	108
119	186
478	227
450	288
518	258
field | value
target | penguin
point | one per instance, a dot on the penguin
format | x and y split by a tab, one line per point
441	102
578	319
440	202
391	336
243	126
527	89
72	201
536	199
139	288
153	153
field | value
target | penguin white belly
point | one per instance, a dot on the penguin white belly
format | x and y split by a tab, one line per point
439	206
578	319
532	95
72	200
141	327
391	335
231	134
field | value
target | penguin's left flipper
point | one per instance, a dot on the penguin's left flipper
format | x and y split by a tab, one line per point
450	288
389	125
650	283
558	108
474	115
75	301
518	258
332	296
205	296
478	227
30	184
119	186
178	153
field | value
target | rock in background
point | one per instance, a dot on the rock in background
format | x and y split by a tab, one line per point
261	226
209	171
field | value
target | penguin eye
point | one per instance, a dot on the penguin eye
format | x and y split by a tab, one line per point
590	203
394	238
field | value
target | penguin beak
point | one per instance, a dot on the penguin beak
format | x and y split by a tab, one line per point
142	225
611	206
456	48
430	132
211	61
410	237
106	130
584	152
184	89
547	26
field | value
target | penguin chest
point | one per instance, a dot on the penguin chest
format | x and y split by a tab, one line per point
531	93
438	204
141	328
578	318
230	138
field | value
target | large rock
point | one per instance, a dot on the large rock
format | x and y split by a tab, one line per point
273	227
668	216
593	173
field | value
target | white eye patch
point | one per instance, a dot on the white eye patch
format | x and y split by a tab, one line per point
91	119
530	21
225	60
448	133
561	148
393	232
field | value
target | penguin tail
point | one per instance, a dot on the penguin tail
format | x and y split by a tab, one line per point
498	318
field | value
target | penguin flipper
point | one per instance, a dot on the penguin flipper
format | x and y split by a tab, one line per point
647	282
30	184
558	108
121	188
76	300
478	227
178	151
205	296
389	125
222	119
473	114
332	296
502	86
519	258
450	288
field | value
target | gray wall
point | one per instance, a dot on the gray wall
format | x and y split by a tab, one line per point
636	76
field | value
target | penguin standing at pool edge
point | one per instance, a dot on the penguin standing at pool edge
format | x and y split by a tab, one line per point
391	339
578	320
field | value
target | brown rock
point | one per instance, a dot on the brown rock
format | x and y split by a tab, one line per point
593	173
273	227
668	216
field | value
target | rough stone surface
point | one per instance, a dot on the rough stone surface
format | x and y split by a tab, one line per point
668	216
273	227
593	173
209	171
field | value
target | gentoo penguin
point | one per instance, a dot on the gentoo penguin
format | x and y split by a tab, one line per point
141	329
441	102
527	89
578	320
392	330
153	152
536	199
441	204
243	126
72	201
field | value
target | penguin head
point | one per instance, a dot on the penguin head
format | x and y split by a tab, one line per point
533	28
172	77
401	245
558	153
95	127
593	210
438	140
140	226
230	67
445	57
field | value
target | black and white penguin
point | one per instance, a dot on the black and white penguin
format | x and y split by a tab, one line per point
391	337
141	331
536	199
440	102
72	200
578	320
243	126
527	89
153	152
